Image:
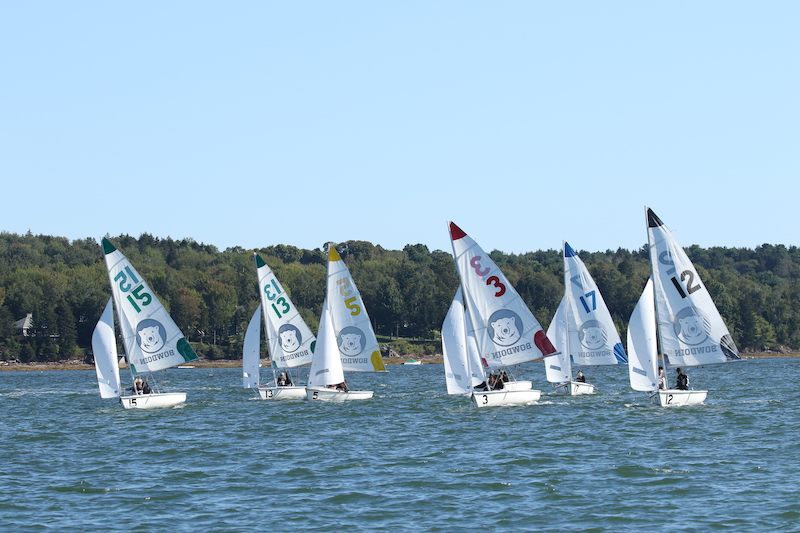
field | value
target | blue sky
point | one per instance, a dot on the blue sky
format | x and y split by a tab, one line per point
251	123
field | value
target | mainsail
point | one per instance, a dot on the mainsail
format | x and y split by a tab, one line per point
690	328
354	335
291	342
582	329
150	337
506	331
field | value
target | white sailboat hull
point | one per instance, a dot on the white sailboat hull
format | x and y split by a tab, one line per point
517	385
573	388
294	392
674	397
332	395
505	397
153	401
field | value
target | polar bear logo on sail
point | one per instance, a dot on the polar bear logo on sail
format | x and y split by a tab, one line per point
690	326
505	327
592	335
150	335
291	338
351	341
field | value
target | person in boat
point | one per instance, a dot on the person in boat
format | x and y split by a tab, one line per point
340	386
504	376
682	382
495	382
139	387
662	379
284	380
580	377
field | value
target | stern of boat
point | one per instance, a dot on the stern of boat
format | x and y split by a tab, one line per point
674	397
293	392
505	397
326	394
153	401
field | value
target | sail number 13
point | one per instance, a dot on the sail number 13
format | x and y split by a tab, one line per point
279	304
127	279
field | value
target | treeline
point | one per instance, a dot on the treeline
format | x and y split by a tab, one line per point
211	294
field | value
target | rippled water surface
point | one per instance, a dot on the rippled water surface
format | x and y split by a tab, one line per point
411	459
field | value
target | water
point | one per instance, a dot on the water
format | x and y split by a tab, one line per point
411	459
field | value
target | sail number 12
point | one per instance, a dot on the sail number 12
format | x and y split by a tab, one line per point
127	279
686	276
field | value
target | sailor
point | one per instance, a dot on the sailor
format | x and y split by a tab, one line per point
662	379
580	377
682	380
284	380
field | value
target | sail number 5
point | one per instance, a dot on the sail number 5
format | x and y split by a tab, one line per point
127	279
345	290
494	281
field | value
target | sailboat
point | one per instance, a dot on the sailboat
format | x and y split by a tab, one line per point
346	341
291	343
677	314
505	332
582	329
150	338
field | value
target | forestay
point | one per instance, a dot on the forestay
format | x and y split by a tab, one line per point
151	339
690	327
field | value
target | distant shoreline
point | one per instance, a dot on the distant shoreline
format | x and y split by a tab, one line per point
230	363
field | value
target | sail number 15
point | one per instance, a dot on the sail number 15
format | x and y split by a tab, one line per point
127	279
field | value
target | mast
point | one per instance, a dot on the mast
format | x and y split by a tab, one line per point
653	221
568	313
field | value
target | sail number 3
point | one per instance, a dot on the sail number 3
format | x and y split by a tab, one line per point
127	280
494	281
